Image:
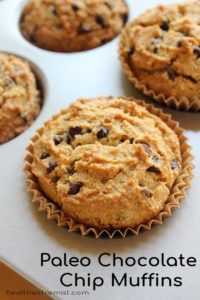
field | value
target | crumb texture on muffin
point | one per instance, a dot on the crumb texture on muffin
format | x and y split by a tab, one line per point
19	97
72	25
162	48
107	162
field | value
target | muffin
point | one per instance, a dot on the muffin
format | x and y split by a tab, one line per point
19	97
72	25
107	162
160	54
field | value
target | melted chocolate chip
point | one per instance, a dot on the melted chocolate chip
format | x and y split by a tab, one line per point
84	29
165	26
75	7
174	165
131	141
153	169
57	140
147	193
52	166
102	133
74	188
44	155
75	130
197	52
171	74
101	21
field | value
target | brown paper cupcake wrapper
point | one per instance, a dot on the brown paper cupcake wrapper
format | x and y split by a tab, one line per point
177	193
182	104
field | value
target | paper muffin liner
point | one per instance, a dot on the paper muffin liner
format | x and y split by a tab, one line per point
178	191
180	104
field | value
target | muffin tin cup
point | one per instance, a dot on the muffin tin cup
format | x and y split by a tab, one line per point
178	191
182	104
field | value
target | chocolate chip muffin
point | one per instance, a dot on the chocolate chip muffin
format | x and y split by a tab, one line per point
160	54
107	162
72	25
19	97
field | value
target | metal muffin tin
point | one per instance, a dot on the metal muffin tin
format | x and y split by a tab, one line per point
25	233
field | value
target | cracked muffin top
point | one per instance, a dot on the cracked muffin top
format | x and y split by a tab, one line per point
19	97
107	162
72	25
162	48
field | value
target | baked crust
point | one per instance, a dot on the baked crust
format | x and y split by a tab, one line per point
161	47
19	97
69	26
107	162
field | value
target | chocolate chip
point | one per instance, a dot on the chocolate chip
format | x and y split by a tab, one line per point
59	26
104	41
155	50
123	139
131	51
125	18
171	74
53	10
52	166
75	130
153	169
71	170
84	29
197	52
74	188
146	148
102	133
179	44
131	141
57	140
24	118
44	155
75	7
68	140
147	193
174	165
101	21
165	26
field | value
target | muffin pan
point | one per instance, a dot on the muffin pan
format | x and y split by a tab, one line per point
25	233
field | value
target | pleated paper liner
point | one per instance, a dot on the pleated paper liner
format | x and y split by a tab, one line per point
178	191
182	104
